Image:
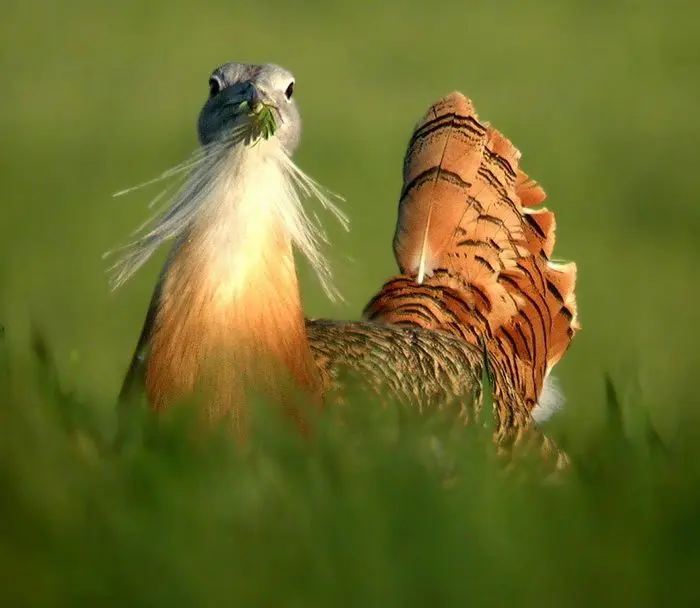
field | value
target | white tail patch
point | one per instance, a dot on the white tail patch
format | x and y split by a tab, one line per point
550	402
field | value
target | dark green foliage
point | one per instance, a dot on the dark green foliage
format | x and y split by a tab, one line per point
265	125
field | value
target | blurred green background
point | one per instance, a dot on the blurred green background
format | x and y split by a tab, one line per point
601	98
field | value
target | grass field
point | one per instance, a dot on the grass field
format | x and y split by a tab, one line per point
602	100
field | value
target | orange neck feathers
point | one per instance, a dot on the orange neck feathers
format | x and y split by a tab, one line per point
229	317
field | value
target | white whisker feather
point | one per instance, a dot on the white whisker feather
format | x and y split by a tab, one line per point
312	188
208	182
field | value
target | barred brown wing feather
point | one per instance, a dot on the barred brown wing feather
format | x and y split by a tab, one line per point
470	232
442	159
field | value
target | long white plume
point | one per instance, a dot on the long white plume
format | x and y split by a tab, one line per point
204	172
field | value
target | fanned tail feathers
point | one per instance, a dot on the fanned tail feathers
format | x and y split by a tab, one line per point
443	157
471	233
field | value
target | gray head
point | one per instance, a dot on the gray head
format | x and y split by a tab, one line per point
233	83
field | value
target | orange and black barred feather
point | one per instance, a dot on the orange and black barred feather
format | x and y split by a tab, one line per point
474	252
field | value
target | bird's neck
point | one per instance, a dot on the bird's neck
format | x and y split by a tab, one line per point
229	318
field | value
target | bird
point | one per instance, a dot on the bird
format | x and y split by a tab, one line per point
477	290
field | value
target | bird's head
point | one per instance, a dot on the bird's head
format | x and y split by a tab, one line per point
246	103
243	98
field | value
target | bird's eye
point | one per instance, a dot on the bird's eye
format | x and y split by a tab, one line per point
214	86
290	90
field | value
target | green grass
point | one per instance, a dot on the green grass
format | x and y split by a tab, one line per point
602	100
366	513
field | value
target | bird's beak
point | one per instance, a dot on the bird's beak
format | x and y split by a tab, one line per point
253	96
241	97
245	99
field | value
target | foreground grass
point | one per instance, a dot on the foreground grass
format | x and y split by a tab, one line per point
361	515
